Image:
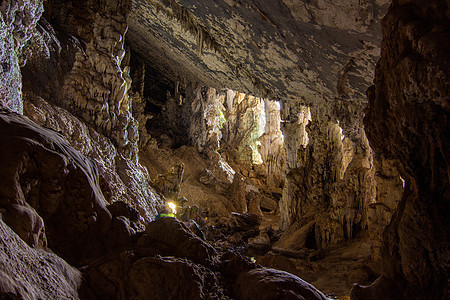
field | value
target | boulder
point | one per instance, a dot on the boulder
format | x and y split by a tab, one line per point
172	237
268	204
297	241
130	277
267	284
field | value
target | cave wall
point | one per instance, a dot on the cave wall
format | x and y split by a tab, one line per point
95	89
407	119
17	25
76	82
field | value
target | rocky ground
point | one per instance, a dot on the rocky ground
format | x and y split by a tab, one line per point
333	270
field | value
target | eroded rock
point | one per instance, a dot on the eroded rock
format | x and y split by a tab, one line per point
412	84
17	25
272	284
44	171
28	273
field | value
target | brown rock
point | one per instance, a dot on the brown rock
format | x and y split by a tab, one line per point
172	237
407	119
27	273
254	202
169	184
126	277
237	193
278	262
120	208
172	278
26	223
206	177
43	170
297	240
268	204
268	284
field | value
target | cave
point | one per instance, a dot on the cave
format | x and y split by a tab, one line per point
227	149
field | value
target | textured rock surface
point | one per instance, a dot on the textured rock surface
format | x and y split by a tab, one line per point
408	120
53	54
119	178
389	193
274	284
29	273
96	87
126	277
17	24
316	57
181	242
44	175
329	177
44	172
169	184
282	48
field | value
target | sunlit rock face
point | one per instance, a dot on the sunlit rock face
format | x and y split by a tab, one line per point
285	49
17	25
94	86
329	178
408	120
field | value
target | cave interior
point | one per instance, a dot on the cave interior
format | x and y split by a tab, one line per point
224	149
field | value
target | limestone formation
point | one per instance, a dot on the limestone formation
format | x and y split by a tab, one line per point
205	123
329	178
412	84
18	20
44	174
120	178
259	106
30	273
237	194
272	148
93	84
48	189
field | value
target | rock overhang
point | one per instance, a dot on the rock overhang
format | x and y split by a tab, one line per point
286	50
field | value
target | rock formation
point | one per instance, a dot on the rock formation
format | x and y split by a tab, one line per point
17	26
259	106
50	192
411	84
33	273
51	66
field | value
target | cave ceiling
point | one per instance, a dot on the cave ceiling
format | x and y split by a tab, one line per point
306	51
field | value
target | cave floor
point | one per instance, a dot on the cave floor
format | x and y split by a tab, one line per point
337	269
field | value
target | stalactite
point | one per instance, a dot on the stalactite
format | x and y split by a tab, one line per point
189	23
